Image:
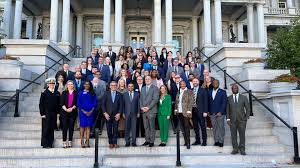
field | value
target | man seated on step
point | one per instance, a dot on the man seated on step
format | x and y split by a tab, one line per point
238	112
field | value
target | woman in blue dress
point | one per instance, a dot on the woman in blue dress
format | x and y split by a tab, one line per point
86	104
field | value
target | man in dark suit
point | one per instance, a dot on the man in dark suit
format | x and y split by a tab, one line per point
84	71
112	55
131	112
200	66
160	71
94	71
168	63
185	75
217	110
78	81
66	73
112	108
94	57
148	104
174	88
140	130
200	110
238	112
104	69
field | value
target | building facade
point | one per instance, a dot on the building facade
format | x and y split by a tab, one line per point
178	24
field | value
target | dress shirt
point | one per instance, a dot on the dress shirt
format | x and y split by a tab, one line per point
214	93
236	98
180	100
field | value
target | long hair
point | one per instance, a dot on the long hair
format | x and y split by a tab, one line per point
66	86
91	89
165	88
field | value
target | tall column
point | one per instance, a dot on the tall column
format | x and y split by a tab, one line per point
53	20
106	22
240	30
79	30
218	22
118	21
260	23
157	21
169	22
7	16
29	27
66	22
18	19
250	26
195	31
207	22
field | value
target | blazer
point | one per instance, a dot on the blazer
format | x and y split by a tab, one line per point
84	76
64	99
202	100
70	75
105	72
165	66
201	69
160	72
187	102
113	58
149	99
131	107
174	90
78	88
112	108
196	72
186	79
219	103
180	71
165	108
49	104
95	60
239	111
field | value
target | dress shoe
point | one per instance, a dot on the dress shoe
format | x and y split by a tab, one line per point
204	144
161	144
134	145
116	146
243	153
188	146
234	152
111	146
151	144
145	143
217	144
196	143
221	144
127	144
184	144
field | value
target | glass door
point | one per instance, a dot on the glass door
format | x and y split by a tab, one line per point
137	41
97	40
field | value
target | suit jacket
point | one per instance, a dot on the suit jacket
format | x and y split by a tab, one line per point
110	107
84	76
49	103
131	107
113	58
165	108
78	88
200	69
180	71
186	79
174	90
64	100
100	90
105	72
239	111
149	99
202	100
69	76
136	87
219	103
165	66
160	71
196	72
95	60
187	103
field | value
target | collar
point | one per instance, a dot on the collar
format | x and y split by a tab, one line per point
216	90
51	90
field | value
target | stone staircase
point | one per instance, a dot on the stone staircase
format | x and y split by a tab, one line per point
20	146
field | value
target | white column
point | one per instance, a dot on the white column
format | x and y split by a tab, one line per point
106	22
66	22
29	27
123	30
7	16
195	31
79	30
18	19
207	22
157	21
53	20
240	30
250	26
118	21
260	23
112	25
218	22
169	22
266	34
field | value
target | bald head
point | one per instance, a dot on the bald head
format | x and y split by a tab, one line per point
235	89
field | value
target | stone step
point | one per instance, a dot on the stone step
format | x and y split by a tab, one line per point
35	143
124	151
4	134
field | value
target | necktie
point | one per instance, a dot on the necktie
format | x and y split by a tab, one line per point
147	89
78	83
67	72
195	97
113	96
235	99
131	96
176	70
187	75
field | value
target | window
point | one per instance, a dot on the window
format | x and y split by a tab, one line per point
282	4
97	40
177	41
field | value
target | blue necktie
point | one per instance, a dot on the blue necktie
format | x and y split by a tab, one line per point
113	96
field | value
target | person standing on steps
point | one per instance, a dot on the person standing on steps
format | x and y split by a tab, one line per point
183	109
49	105
217	111
238	112
164	113
86	104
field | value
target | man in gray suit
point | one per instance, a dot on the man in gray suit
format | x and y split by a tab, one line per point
179	70
148	104
131	113
238	111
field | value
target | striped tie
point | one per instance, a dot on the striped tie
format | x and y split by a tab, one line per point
195	97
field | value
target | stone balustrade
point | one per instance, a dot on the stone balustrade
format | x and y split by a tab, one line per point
277	11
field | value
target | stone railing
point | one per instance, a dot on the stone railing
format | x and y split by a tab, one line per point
277	11
297	11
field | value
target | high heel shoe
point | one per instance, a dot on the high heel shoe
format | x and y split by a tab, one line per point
70	144
82	144
65	144
87	143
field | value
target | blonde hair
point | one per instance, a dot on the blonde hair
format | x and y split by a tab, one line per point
66	86
125	86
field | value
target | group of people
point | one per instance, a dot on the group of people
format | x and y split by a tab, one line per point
137	92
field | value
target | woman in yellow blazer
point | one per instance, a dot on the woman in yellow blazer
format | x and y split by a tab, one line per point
164	112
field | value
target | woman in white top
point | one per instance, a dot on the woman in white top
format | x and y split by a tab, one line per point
108	62
89	64
118	65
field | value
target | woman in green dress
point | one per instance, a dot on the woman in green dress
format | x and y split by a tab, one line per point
164	112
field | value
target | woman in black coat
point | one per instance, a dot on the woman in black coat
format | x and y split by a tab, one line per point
69	112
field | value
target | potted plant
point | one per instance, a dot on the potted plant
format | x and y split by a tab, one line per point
257	63
283	83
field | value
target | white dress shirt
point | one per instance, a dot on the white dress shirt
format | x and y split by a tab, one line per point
180	100
214	93
237	97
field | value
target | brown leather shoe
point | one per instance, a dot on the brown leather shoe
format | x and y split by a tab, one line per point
111	146
116	146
